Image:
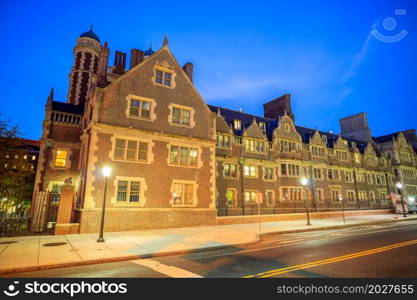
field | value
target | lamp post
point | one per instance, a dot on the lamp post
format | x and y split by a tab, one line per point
106	173
399	186
304	182
343	208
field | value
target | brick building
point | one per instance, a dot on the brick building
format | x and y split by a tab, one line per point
177	161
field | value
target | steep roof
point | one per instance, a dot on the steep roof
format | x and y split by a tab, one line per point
245	119
67	107
306	133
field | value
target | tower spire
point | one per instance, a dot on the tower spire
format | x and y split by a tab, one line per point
165	42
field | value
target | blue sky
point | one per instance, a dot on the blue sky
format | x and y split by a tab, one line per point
245	53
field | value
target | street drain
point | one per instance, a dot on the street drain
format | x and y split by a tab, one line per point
54	244
7	242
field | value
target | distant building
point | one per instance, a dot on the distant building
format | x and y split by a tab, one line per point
177	161
18	163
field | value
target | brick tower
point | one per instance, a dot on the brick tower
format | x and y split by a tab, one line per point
84	71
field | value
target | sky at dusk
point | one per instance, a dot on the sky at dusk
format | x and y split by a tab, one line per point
245	53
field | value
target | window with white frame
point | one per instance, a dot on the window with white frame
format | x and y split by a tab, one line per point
128	191
252	145
348	176
183	193
223	140
181	116
351	196
163	77
130	150
237	125
250	196
230	170
269	198
250	171
139	108
317	173
183	156
269	173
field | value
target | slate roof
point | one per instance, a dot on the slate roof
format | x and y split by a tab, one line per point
245	119
306	133
67	107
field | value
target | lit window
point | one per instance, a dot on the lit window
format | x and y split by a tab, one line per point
140	109
184	156
250	171
183	194
230	197
237	124
230	170
61	158
250	196
33	157
181	116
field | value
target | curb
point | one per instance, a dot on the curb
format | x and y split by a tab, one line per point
258	237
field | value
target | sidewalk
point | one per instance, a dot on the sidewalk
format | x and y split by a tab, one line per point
33	252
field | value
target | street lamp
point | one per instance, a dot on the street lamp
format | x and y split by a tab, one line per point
304	182
106	173
399	186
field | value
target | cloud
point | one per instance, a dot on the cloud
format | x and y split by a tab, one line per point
358	58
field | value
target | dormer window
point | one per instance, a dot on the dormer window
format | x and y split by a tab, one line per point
262	126
324	138
237	125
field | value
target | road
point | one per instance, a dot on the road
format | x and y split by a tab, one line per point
383	250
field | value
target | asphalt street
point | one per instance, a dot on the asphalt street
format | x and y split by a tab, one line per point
383	250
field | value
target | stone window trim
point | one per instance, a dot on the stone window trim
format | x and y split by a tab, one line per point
142	191
294	193
290	169
272	204
274	175
319	199
150	154
164	67
185	145
237	170
253	194
256	143
350	199
152	114
195	197
67	159
234	202
249	167
320	171
182	107
221	141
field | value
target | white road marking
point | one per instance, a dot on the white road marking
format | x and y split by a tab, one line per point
171	271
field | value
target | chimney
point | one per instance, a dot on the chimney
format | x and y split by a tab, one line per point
136	57
102	65
119	62
356	127
188	69
278	107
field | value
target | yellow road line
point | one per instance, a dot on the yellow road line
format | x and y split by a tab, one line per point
330	260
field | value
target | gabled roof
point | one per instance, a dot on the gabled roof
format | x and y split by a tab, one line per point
67	108
245	119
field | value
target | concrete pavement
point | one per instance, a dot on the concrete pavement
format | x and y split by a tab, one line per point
18	254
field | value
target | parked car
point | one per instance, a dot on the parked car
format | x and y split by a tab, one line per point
412	205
